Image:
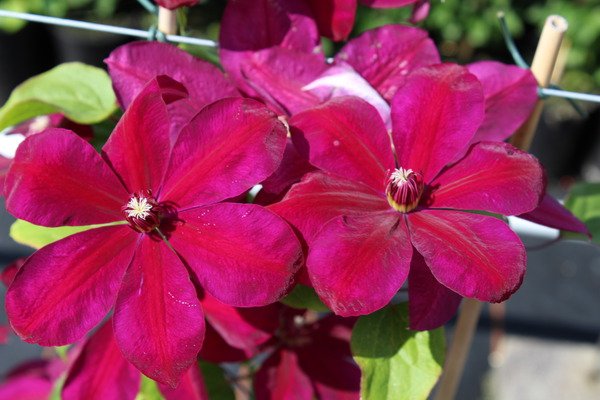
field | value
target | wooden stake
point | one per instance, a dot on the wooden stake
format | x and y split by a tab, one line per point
167	21
541	67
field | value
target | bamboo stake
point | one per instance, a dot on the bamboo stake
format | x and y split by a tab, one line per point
541	67
167	21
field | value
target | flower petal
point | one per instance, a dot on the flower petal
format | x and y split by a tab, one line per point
385	56
320	197
553	214
493	177
345	136
139	147
510	95
230	146
430	304
191	387
386	3
434	115
58	179
358	263
285	23
243	254
158	319
280	377
133	65
476	256
334	18
67	287
100	371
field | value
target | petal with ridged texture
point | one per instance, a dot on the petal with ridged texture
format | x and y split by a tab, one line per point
358	263
434	116
243	254
67	287
158	319
476	256
58	179
280	377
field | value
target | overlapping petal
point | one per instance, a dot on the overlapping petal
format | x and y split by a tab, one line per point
191	386
220	244
493	177
100	371
133	65
334	18
67	287
280	377
476	256
227	148
553	214
434	115
385	56
139	147
326	196
158	320
430	304
345	136
360	262
58	179
173	4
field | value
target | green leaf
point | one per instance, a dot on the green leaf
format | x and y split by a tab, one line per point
396	363
81	92
304	297
61	351
149	390
216	382
39	236
584	202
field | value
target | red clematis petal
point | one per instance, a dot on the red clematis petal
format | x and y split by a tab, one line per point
387	3
385	56
335	18
158	320
345	136
493	177
476	256
227	148
553	214
326	196
434	116
358	263
191	386
133	65
58	179
285	23
138	149
67	287
100	371
280	377
173	4
243	254
510	95
430	304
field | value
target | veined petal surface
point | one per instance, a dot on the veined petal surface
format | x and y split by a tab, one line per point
243	254
476	256
230	146
493	177
358	263
67	287
334	18
385	56
345	136
158	320
58	179
434	115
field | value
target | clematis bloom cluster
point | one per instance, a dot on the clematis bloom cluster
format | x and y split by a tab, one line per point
168	228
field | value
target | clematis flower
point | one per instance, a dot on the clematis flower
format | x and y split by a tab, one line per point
310	358
382	212
175	230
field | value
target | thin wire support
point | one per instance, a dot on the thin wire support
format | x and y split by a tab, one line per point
104	28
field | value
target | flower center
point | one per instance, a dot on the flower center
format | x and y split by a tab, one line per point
404	189
143	211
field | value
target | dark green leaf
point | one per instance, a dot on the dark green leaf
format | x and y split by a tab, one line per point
304	297
217	385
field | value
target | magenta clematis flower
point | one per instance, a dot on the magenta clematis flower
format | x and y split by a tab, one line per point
175	229
382	212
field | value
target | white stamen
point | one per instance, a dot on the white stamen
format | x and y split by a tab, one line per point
138	208
401	175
